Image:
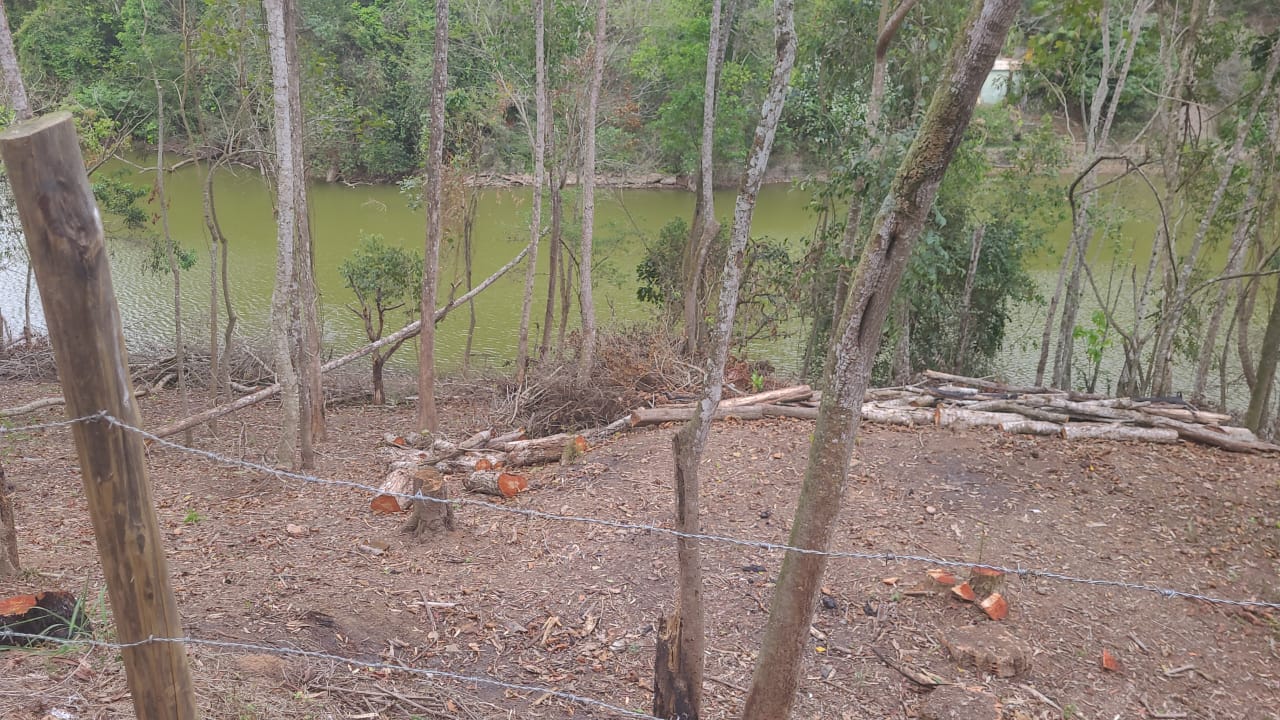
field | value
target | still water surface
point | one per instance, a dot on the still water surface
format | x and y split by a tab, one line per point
624	218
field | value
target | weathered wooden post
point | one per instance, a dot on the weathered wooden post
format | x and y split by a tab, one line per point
64	236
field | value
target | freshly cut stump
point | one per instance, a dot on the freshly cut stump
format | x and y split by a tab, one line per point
990	650
429	516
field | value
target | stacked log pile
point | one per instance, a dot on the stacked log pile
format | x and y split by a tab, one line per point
954	401
485	461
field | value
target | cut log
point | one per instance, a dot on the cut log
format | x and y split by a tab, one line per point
1014	406
656	416
964	418
492	482
790	411
1032	427
1188	415
399	481
982	384
434	513
1215	436
1091	411
478	440
790	394
531	452
508	437
470	462
896	416
1106	431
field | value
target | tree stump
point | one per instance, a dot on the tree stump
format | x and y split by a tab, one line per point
985	581
430	516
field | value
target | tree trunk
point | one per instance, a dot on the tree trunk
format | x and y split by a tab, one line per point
702	232
1260	398
9	565
884	258
379	394
966	298
427	420
171	256
586	298
284	296
15	87
435	514
553	261
311	396
678	665
17	94
539	170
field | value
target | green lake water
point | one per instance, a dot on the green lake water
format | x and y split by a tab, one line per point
624	218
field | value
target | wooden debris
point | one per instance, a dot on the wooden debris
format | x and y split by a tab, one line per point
1109	661
399	481
492	482
964	592
995	606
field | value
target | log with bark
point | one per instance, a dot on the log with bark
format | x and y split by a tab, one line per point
495	482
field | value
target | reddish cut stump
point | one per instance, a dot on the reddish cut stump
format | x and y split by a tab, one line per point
55	614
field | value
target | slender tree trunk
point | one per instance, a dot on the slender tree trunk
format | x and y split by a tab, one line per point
285	294
553	261
1260	398
539	171
468	258
679	660
171	256
1081	239
586	295
1244	319
427	419
223	379
702	232
884	258
966	297
16	90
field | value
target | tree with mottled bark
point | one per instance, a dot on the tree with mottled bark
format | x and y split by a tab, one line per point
539	172
705	227
681	643
284	305
15	88
854	347
586	299
427	419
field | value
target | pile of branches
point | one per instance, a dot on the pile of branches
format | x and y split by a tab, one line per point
29	361
633	366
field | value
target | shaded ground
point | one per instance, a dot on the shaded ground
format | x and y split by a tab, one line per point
572	606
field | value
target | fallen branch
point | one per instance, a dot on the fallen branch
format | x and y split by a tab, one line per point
32	406
400	335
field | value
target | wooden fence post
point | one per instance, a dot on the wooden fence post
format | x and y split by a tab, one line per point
64	236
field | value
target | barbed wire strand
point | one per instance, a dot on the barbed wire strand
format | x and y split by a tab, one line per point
47	426
314	655
1019	571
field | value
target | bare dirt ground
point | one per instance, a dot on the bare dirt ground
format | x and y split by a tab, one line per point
572	606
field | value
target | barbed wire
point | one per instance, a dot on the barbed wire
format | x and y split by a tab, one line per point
17	429
1018	571
315	655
